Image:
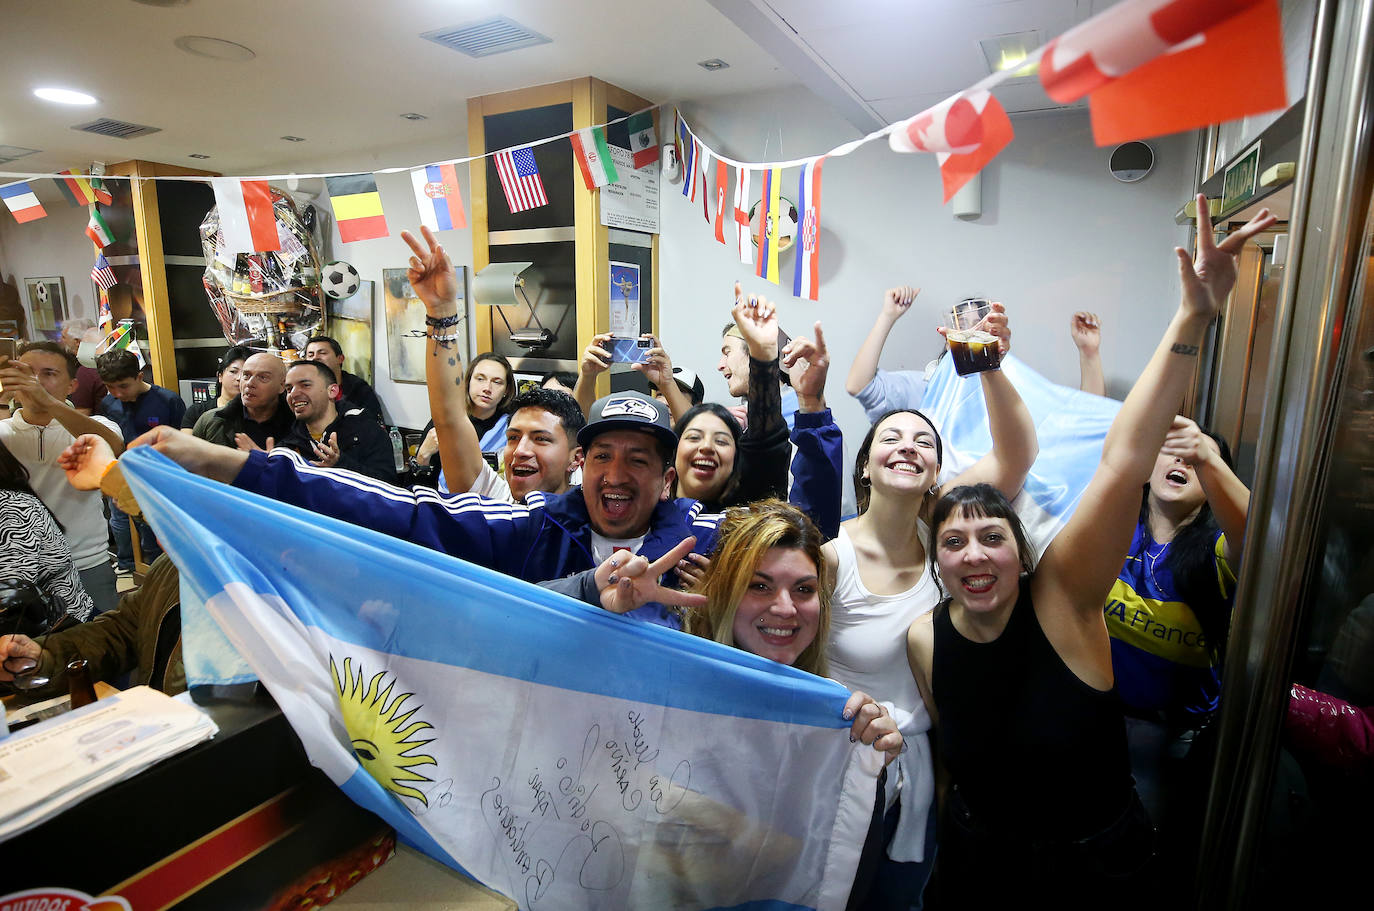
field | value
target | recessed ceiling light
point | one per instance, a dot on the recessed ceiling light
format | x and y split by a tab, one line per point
214	48
413	116
197	155
715	63
294	138
1008	53
64	96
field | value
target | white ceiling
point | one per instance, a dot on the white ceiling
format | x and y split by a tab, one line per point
341	72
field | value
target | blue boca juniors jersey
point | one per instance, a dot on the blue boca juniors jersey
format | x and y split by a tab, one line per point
1160	656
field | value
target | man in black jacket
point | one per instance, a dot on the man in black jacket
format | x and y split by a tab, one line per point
328	438
354	391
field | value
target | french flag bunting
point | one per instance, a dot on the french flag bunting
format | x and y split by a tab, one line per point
806	279
743	240
965	132
520	179
21	201
770	205
722	184
245	215
438	198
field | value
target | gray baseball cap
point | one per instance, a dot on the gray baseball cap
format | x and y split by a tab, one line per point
629	411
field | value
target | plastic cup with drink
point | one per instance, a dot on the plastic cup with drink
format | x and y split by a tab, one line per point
973	348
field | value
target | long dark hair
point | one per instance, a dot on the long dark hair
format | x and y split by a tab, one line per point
14	476
1192	563
731	425
861	492
977	501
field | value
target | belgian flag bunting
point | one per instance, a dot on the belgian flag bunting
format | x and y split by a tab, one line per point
357	207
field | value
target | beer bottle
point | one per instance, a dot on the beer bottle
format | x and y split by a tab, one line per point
79	679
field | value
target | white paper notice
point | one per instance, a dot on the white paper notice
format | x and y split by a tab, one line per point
633	202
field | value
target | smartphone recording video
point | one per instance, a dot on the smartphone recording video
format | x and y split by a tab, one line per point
630	350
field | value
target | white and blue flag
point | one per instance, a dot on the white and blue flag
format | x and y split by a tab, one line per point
559	754
1071	427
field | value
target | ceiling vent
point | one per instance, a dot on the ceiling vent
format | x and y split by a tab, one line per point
486	37
118	129
10	153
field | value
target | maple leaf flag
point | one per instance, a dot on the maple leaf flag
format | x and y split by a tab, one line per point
965	132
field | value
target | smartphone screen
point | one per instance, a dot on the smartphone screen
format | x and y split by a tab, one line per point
630	350
9	347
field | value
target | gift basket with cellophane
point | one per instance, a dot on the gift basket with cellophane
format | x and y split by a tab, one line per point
268	299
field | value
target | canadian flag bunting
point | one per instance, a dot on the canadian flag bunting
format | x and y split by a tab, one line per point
704	165
245	215
965	132
722	184
743	241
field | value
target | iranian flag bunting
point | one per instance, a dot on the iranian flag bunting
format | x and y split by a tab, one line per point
245	215
743	241
98	231
806	280
594	158
722	184
643	143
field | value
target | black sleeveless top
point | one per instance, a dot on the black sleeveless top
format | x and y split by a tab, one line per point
1033	750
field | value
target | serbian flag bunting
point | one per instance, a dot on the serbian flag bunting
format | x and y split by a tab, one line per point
98	230
806	280
520	179
245	215
102	274
357	207
438	198
743	241
594	158
965	132
21	201
1161	96
77	190
722	184
643	142
769	206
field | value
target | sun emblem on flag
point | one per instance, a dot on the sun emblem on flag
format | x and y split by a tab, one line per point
381	729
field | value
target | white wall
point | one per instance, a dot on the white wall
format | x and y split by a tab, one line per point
56	245
1057	234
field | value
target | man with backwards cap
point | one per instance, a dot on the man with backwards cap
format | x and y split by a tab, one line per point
622	503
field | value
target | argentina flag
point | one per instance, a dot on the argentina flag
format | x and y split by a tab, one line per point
562	755
1070	425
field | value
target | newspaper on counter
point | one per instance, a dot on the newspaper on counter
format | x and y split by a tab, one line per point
53	765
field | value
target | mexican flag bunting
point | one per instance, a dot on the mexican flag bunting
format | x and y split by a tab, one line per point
743	241
643	142
98	231
769	207
806	280
594	158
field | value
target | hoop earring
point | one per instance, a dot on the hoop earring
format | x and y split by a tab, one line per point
930	492
864	482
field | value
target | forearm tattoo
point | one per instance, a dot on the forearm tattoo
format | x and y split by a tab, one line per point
1185	350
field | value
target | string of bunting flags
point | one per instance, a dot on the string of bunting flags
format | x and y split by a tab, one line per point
1147	67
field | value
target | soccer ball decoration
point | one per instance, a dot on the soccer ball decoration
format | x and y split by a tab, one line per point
41	292
340	280
787	222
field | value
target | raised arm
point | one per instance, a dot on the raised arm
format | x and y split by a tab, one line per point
434	281
1226	494
818	463
595	361
764	447
18	379
896	301
1086	556
1014	444
1086	331
658	369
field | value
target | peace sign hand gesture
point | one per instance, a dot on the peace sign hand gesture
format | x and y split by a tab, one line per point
1209	278
431	274
629	581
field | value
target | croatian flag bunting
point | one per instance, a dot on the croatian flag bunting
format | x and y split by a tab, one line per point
806	279
743	240
438	198
245	215
564	756
22	202
520	179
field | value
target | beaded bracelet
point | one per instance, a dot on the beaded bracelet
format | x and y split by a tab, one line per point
444	340
443	322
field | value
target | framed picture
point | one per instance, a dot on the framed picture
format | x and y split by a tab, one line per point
47	301
350	323
405	325
1241	179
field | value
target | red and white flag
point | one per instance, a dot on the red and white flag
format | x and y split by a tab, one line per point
806	280
704	164
965	132
722	184
520	179
743	240
245	215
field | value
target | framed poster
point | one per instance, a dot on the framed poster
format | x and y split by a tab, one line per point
405	325
47	301
350	323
